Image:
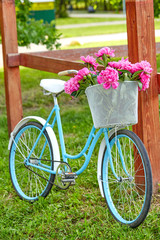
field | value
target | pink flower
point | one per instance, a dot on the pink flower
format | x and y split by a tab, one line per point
123	70
71	85
82	73
105	50
121	64
145	79
143	65
90	60
108	77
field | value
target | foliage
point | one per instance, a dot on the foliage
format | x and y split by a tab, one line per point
116	4
31	31
61	8
104	5
156	8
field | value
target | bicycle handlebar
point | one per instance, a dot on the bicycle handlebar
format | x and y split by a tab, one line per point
67	72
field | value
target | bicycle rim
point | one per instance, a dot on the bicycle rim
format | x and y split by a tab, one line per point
128	198
27	182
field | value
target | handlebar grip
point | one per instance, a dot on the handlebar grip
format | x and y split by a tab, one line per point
67	72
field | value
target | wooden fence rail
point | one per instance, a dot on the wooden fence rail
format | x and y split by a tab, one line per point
60	60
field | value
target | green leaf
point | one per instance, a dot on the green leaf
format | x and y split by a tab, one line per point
140	85
136	74
124	71
73	94
99	61
77	93
121	78
126	77
105	60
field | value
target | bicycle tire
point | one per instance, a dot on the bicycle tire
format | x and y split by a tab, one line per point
27	181
128	199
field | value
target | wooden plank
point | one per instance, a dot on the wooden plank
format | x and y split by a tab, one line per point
141	46
158	78
68	55
12	75
48	64
13	60
158	47
75	54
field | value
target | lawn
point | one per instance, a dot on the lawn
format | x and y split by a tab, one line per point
88	31
77	213
73	20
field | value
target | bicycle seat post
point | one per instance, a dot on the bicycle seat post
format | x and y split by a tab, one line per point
55	99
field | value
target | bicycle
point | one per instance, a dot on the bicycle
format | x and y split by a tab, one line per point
123	171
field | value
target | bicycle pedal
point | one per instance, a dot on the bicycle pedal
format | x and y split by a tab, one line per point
69	177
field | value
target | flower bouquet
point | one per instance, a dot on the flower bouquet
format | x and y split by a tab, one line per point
112	93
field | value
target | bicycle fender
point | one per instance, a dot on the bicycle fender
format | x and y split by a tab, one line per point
49	130
99	165
100	158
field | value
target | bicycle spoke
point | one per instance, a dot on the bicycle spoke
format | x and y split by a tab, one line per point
31	184
127	196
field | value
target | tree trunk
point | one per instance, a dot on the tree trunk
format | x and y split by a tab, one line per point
86	4
104	5
61	8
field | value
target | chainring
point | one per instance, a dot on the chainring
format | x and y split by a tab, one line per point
60	175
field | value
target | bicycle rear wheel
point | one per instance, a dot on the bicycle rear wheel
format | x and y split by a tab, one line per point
29	182
129	197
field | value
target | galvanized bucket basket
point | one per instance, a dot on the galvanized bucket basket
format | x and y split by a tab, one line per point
113	107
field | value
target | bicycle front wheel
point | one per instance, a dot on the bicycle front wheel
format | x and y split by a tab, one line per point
29	182
128	192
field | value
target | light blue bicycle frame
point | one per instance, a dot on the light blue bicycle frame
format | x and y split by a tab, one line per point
91	141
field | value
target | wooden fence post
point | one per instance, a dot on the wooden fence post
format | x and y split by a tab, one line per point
12	75
141	46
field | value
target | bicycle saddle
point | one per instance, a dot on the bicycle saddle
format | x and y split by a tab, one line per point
52	85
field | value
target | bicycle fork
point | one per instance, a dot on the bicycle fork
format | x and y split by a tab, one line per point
109	155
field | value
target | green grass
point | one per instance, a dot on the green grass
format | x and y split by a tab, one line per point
88	31
77	213
73	20
76	44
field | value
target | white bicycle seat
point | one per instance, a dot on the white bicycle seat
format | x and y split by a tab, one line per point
52	85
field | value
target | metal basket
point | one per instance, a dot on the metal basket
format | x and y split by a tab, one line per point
113	107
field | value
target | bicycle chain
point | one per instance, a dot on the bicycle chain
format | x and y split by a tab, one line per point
43	177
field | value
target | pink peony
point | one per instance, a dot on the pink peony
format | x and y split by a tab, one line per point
145	79
90	60
143	65
82	73
71	85
108	77
105	50
121	64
